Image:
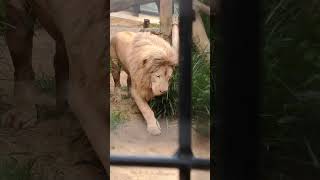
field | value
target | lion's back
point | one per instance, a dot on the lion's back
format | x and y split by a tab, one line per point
123	38
121	42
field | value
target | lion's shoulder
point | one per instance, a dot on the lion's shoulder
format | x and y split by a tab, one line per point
123	37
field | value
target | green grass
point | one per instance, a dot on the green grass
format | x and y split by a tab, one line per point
125	96
2	16
154	25
117	118
46	84
201	93
10	169
291	90
166	106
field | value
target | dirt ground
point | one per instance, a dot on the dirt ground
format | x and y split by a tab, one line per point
131	138
62	151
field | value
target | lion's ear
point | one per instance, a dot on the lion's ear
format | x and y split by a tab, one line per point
174	67
175	60
175	63
144	62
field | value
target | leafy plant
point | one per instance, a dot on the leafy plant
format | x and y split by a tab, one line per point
291	89
10	169
2	16
46	83
166	106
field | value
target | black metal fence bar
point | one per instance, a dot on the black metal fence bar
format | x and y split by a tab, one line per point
185	79
184	152
170	162
238	65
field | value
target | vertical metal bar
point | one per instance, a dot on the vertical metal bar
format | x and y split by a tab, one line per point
108	108
237	93
185	106
212	80
185	76
184	173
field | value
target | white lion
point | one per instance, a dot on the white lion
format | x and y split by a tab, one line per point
149	62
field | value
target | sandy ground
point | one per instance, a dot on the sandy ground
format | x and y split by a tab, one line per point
62	152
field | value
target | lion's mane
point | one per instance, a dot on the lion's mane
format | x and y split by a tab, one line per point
147	54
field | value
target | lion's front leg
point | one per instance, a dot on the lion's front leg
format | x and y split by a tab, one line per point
153	126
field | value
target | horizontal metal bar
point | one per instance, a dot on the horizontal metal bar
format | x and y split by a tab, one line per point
169	162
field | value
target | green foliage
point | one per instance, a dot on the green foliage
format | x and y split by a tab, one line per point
2	16
201	93
166	105
116	119
46	84
10	169
291	93
154	25
2	9
206	19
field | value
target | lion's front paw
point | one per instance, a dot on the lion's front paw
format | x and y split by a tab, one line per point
116	95
116	98
154	129
19	118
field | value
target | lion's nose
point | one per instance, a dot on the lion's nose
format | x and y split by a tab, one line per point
164	90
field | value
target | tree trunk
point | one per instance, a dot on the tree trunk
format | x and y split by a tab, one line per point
175	34
199	36
166	18
201	7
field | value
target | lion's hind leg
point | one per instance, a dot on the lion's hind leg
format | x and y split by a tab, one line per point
115	70
129	84
19	41
61	67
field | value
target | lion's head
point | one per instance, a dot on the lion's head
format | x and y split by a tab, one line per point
154	62
160	80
